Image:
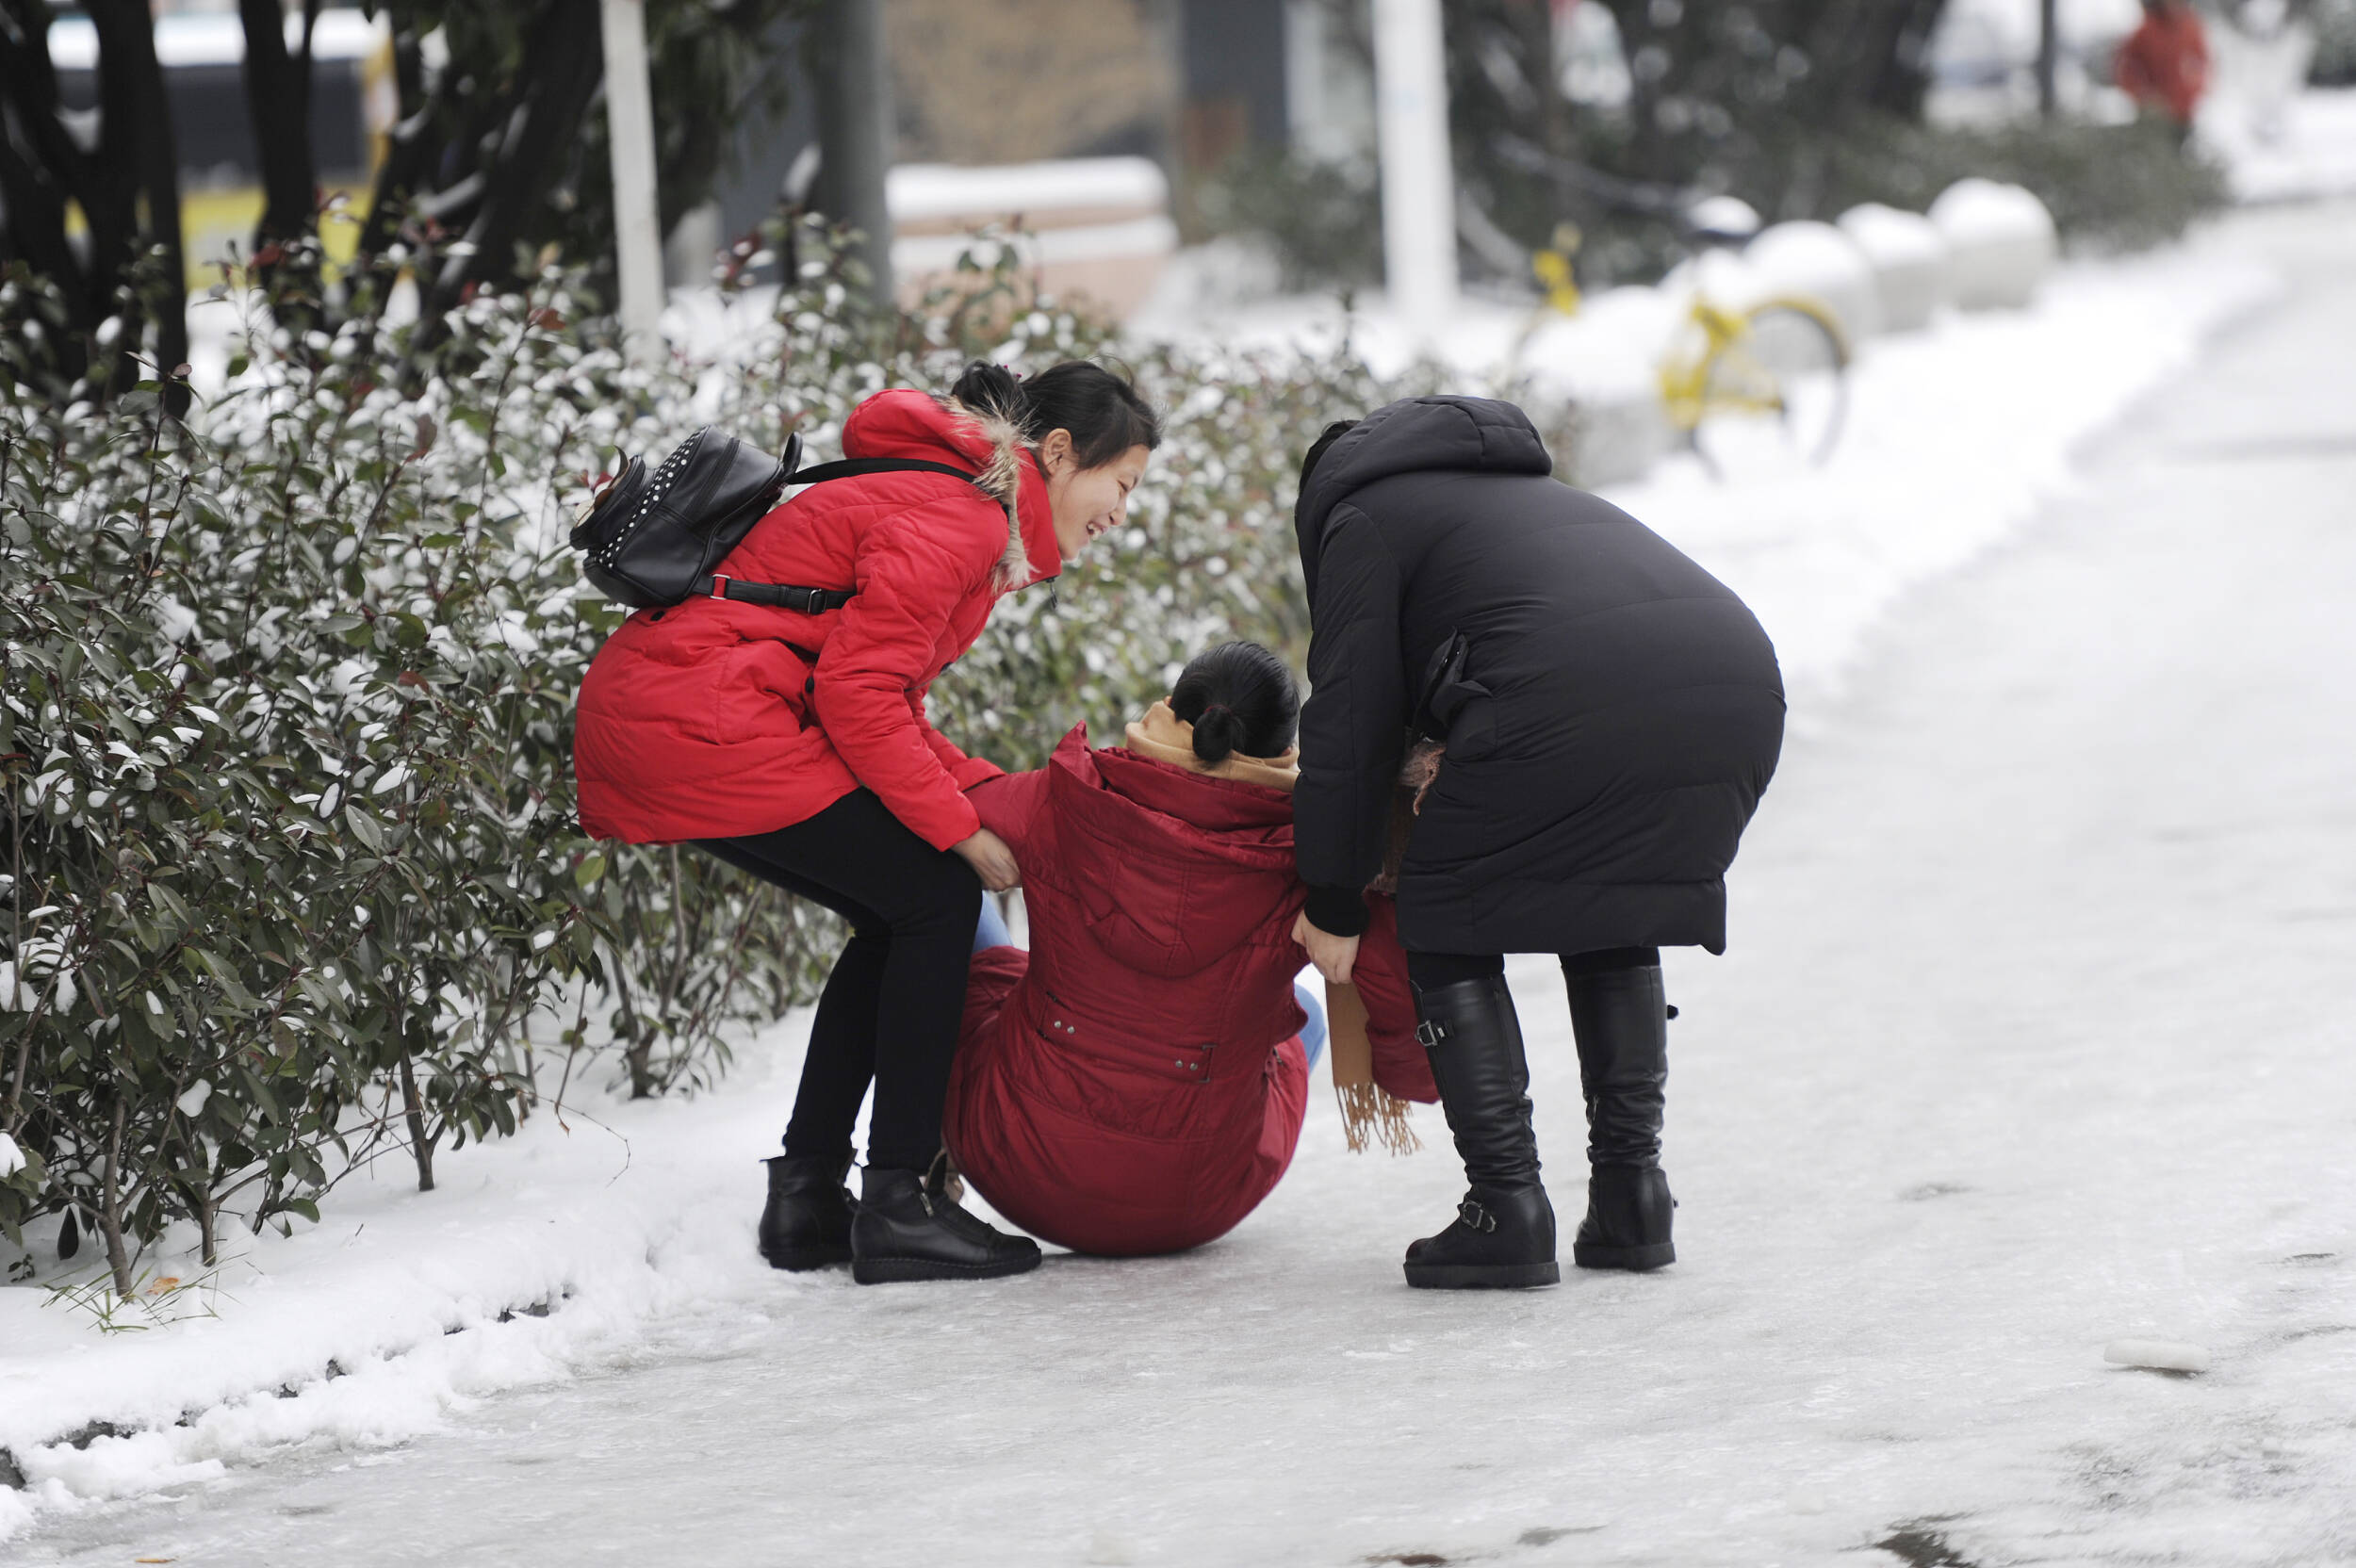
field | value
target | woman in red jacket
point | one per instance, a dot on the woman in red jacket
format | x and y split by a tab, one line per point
796	747
1136	1083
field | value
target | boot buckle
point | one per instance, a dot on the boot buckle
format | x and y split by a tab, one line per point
1474	1218
1429	1033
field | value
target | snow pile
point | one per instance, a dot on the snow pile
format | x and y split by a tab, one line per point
1823	262
917	192
1908	256
2000	241
2299	148
541	1256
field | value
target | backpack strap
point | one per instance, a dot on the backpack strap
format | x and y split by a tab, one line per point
810	601
851	468
817	601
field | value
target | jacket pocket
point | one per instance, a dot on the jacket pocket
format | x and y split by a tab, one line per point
1453	706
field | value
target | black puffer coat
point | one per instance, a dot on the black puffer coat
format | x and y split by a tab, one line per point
1612	711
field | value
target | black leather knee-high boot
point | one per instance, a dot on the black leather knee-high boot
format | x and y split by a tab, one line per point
1503	1234
1620	1016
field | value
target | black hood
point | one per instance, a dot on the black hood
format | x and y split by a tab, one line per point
1417	434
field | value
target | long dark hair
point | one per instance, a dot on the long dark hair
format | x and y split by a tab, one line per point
1102	410
1239	697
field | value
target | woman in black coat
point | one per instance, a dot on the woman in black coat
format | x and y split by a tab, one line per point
1610	714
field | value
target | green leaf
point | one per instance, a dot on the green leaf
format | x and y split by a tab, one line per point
365	827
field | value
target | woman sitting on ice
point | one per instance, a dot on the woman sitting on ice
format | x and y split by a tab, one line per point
1136	1082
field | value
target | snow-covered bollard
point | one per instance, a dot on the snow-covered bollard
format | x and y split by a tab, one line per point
2000	241
1823	264
1910	258
2159	1355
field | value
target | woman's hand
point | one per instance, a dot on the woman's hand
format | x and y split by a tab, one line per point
1333	955
988	854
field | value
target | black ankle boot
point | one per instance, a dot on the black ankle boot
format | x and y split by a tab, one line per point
1503	1236
908	1228
1620	1017
807	1223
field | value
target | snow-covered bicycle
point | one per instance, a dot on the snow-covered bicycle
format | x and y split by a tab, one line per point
1743	387
1763	383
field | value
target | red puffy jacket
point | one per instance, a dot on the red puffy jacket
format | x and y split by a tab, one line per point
1135	1084
716	719
2164	64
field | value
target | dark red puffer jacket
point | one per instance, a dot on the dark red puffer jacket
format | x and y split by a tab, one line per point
716	719
1134	1083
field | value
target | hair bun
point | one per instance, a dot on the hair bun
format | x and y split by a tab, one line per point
987	388
1215	733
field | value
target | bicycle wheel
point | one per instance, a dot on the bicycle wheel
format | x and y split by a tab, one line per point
1776	396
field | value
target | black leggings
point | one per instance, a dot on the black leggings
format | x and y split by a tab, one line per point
891	1008
1430	971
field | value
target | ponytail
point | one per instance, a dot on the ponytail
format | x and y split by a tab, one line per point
1240	698
992	390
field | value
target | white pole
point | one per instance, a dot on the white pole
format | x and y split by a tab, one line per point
629	129
1419	180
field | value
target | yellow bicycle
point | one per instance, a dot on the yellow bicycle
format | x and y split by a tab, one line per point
1764	384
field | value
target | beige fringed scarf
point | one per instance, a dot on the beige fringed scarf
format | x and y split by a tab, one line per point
1369	1114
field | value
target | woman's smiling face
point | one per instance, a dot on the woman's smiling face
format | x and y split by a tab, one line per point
1087	503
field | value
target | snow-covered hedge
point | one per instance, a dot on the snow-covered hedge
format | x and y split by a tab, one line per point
293	876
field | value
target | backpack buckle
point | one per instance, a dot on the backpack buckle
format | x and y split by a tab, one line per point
719	586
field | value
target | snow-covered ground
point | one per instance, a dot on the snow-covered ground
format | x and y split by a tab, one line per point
2302	148
2031	1038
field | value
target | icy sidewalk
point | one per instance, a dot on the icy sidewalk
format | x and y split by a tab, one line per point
1962	433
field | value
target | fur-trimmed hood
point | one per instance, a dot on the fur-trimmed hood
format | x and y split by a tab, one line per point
908	423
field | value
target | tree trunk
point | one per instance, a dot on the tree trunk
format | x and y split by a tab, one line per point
563	62
2048	57
409	153
413	1108
135	156
278	103
110	1207
41	168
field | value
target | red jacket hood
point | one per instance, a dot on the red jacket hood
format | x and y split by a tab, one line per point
1173	870
907	423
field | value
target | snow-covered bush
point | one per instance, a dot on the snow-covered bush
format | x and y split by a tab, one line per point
293	875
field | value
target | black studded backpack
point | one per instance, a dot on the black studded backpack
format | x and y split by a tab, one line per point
651	539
